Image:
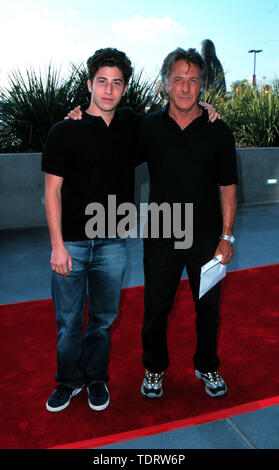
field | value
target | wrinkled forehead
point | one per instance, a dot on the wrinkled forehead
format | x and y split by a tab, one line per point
184	67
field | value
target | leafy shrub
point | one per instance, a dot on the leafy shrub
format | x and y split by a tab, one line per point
32	104
251	112
142	96
253	115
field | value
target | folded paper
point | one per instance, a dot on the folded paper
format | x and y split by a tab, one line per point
211	273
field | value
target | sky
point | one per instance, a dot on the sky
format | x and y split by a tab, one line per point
35	33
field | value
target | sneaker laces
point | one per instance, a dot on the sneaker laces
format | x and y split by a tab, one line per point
213	377
153	377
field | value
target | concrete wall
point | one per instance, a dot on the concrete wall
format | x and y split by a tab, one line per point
255	167
22	184
21	191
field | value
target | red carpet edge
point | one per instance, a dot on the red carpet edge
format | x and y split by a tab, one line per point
171	426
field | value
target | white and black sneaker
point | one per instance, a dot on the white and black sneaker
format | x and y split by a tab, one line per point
215	385
152	385
61	397
98	396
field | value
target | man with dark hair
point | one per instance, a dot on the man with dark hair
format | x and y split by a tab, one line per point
190	161
109	57
85	161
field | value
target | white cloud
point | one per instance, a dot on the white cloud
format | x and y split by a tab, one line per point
39	37
148	30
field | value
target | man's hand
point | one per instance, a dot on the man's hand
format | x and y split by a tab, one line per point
75	114
225	249
212	114
61	261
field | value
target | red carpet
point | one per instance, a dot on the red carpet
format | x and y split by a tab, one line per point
248	347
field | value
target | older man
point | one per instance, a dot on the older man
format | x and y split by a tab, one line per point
190	161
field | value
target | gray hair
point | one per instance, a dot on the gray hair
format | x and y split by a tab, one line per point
191	56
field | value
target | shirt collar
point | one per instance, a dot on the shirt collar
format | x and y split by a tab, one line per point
199	120
90	118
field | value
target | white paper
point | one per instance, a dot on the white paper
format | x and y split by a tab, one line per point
211	273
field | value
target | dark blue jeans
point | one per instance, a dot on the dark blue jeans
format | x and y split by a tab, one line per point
98	269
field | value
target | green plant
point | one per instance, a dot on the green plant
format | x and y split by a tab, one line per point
142	95
253	116
31	105
252	113
215	95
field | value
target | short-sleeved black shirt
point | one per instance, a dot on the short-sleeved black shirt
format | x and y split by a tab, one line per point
189	165
95	160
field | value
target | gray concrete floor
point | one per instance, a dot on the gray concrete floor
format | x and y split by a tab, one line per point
25	275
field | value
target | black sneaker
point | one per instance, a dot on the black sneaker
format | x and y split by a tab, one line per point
98	396
215	385
61	397
152	385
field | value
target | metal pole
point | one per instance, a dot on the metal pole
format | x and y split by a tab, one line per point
254	75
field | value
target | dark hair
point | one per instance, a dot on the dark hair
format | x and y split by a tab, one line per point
109	57
190	56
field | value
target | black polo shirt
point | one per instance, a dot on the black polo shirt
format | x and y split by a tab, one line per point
189	165
95	161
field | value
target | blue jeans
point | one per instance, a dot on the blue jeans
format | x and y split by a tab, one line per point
98	269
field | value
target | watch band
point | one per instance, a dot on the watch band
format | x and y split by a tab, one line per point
229	238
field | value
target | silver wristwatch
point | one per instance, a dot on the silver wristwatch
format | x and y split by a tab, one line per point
229	238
